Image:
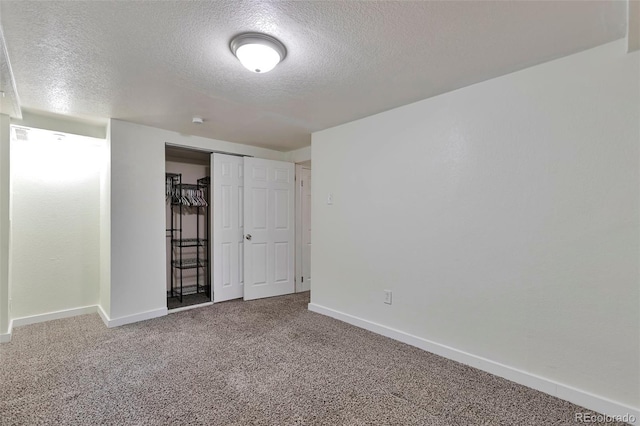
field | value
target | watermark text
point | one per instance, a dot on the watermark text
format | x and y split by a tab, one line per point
604	418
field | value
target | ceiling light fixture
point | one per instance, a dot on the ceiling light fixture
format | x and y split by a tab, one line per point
258	53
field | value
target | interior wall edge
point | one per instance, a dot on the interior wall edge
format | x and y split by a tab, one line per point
551	387
5	225
104	293
103	315
6	337
300	155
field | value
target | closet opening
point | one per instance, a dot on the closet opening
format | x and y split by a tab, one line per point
188	231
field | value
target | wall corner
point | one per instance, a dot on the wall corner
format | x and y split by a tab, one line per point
299	155
5	325
104	303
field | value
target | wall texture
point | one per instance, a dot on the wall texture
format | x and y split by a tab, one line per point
503	216
137	235
4	227
55	210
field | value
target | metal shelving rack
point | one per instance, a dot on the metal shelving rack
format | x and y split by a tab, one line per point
178	260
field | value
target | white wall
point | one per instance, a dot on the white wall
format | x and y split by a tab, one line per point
105	227
504	217
62	124
138	274
4	227
55	210
633	27
300	155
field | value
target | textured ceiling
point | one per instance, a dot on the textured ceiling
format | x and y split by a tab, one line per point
160	63
9	102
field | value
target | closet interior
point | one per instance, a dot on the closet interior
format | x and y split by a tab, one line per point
188	231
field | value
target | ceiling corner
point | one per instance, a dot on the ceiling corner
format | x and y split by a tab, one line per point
9	100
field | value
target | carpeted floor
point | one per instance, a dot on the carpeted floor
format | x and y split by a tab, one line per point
268	362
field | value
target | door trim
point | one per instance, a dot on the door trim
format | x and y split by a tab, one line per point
298	262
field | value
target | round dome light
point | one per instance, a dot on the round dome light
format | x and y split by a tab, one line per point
258	53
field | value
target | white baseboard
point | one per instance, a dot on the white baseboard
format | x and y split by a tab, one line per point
568	393
34	319
132	318
6	337
65	313
17	322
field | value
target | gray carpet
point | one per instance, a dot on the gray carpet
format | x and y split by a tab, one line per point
268	362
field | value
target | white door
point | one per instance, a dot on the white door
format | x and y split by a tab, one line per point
305	190
228	226
269	228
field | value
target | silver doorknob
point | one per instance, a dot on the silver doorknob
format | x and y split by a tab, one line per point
248	237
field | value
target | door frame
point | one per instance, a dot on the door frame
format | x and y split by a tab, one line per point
298	231
297	211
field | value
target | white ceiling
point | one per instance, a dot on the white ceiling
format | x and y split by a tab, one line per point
9	102
160	63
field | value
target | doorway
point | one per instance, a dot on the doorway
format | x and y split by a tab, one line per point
188	232
55	209
230	227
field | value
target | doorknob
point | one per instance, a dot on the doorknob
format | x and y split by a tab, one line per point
248	237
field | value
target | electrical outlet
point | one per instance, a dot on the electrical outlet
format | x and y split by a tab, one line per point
387	297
